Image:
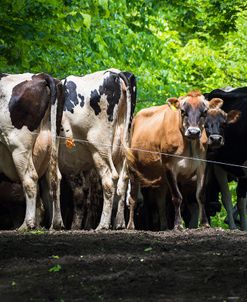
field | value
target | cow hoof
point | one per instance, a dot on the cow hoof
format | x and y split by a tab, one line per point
233	227
75	227
26	227
120	226
206	226
179	227
57	226
102	227
130	226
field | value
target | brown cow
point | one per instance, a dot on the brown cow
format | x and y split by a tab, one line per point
174	133
215	122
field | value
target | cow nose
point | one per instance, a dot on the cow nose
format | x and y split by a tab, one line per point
215	140
193	132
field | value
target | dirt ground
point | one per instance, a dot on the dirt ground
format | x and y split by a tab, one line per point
193	265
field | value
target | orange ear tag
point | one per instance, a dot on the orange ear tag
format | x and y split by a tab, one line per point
70	143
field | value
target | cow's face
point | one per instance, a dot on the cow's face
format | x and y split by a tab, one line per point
193	108
216	122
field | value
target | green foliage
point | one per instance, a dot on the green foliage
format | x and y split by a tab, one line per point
38	232
55	268
171	46
55	257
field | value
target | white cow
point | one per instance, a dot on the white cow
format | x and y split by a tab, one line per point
28	144
98	109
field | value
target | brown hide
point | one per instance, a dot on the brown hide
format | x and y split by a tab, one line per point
146	136
158	129
171	134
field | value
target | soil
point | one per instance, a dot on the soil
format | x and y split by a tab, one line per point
192	265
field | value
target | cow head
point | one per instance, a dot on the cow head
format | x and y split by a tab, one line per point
216	121
193	108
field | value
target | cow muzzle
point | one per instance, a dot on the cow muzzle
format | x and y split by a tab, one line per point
215	141
193	133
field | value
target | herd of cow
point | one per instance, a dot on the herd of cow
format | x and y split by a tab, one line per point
177	156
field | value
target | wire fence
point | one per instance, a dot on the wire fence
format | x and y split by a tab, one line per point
156	152
104	145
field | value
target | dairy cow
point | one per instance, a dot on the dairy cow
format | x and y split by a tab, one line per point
215	122
29	116
233	153
98	109
174	134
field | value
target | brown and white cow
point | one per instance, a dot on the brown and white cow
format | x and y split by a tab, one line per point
97	114
164	141
28	144
215	123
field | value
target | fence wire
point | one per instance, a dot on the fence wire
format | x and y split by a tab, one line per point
84	141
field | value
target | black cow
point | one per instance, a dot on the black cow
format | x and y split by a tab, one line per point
233	153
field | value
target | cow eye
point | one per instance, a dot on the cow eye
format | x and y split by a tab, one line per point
183	112
223	124
204	113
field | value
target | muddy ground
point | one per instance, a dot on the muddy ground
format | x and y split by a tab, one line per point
193	265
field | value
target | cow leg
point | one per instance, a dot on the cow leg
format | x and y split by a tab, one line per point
241	203
40	211
221	176
160	196
121	194
45	196
194	214
109	188
119	222
79	210
30	191
176	199
108	194
29	179
51	195
200	196
57	221
242	213
133	189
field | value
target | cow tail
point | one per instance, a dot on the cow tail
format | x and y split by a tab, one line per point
53	111
130	100
51	82
133	169
125	137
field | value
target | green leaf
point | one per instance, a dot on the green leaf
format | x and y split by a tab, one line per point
86	20
55	257
148	249
37	232
55	268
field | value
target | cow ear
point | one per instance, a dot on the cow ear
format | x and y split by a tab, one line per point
233	116
215	103
173	103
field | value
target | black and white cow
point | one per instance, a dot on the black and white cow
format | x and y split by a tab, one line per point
233	152
98	110
28	143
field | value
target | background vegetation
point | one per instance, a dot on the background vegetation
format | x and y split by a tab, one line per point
171	46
